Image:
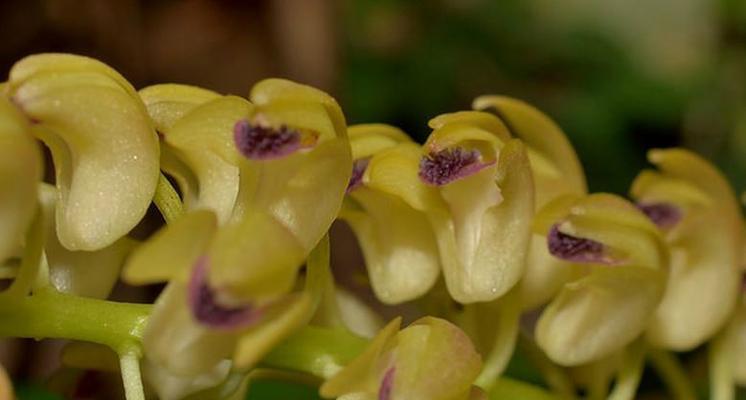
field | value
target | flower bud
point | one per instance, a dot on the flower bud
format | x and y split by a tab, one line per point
104	148
430	359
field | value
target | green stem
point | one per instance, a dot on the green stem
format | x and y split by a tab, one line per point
129	363
50	314
32	252
673	374
504	345
554	376
167	200
722	385
630	372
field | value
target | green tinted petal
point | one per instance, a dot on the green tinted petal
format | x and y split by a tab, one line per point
256	258
484	121
103	144
20	171
84	273
369	139
60	64
288	315
173	340
289	189
172	251
546	140
394	171
203	140
172	386
598	315
484	249
273	90
363	374
168	103
434	360
705	244
398	243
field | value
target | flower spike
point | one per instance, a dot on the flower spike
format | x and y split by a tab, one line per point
696	208
103	144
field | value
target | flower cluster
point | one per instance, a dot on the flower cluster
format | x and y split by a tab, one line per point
487	230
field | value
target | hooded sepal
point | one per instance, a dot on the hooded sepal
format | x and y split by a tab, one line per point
103	144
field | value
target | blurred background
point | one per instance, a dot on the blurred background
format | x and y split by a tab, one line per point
619	76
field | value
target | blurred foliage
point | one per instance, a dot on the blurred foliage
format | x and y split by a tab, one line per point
405	62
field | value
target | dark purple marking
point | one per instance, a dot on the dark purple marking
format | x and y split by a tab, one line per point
448	165
387	385
261	142
358	170
205	308
572	248
665	215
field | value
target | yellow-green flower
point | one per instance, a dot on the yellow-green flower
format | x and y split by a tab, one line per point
556	171
623	261
384	206
103	144
20	172
279	164
483	213
192	330
430	359
696	208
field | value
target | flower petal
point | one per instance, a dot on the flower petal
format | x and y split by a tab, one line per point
103	144
20	170
84	273
203	140
172	251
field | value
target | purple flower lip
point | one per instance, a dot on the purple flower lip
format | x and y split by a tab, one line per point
257	141
387	384
576	249
207	311
358	170
445	166
664	215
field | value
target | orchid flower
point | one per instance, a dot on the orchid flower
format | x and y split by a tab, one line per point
482	215
430	359
624	261
556	171
103	144
190	332
692	203
384	206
